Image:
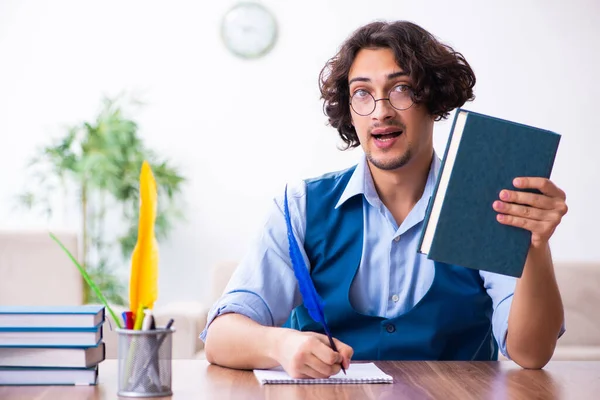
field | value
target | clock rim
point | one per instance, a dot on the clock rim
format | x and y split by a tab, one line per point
272	41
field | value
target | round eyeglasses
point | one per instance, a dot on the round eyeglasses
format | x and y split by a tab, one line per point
400	97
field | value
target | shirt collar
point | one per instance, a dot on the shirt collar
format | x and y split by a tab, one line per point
361	182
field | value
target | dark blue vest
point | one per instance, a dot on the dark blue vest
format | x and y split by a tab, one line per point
451	322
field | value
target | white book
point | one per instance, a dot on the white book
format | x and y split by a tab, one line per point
357	373
48	376
55	357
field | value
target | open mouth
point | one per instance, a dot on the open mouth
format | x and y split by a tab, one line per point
388	136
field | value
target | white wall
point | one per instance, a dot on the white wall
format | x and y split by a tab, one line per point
239	130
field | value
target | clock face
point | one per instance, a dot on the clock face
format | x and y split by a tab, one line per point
249	30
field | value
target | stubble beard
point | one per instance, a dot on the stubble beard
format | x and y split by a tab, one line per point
389	165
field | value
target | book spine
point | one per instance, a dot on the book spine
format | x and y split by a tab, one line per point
552	159
437	184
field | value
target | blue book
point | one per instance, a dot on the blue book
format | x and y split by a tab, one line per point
59	317
483	156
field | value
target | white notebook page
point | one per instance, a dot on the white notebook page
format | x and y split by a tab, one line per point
357	373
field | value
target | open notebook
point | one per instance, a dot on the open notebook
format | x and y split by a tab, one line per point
357	373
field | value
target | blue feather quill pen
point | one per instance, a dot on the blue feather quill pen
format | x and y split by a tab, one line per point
312	301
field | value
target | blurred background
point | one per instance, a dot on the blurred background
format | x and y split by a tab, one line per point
230	132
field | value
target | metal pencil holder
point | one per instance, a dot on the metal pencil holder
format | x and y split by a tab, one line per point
145	360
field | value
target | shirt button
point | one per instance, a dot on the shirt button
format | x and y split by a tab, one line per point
390	328
397	239
395	298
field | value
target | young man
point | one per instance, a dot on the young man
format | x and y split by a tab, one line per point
360	228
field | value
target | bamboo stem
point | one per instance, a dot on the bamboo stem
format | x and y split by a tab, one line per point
84	258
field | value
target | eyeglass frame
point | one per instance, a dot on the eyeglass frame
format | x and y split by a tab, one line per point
412	94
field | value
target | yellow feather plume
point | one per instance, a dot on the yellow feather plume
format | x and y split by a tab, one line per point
143	285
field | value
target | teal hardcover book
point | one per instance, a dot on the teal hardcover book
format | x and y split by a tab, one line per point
51	326
52	357
483	156
60	317
51	337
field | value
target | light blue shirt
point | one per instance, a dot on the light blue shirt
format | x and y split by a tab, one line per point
392	276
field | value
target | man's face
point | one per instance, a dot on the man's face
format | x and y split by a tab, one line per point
390	138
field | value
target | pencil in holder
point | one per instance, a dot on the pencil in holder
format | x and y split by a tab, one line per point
145	362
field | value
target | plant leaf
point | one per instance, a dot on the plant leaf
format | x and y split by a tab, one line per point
89	281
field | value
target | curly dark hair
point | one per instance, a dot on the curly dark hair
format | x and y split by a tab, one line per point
442	78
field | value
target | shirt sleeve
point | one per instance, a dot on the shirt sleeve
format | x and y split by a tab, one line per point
501	289
263	286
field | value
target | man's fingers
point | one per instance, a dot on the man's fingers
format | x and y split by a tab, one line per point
520	210
519	222
346	352
544	185
532	199
322	369
307	365
325	353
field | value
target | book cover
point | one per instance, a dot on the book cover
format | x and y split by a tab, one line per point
483	156
51	337
52	357
82	316
48	376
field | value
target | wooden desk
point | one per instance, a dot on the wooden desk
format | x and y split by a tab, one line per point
196	379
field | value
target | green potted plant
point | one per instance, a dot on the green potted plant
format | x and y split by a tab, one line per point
97	165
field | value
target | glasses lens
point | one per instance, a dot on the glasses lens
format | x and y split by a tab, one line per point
362	103
401	99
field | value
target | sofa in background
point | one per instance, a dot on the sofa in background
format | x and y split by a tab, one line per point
34	270
579	283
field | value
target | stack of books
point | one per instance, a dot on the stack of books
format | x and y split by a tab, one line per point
49	345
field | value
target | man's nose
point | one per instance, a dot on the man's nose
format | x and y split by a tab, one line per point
383	109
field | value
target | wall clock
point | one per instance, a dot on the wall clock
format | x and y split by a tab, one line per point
249	30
